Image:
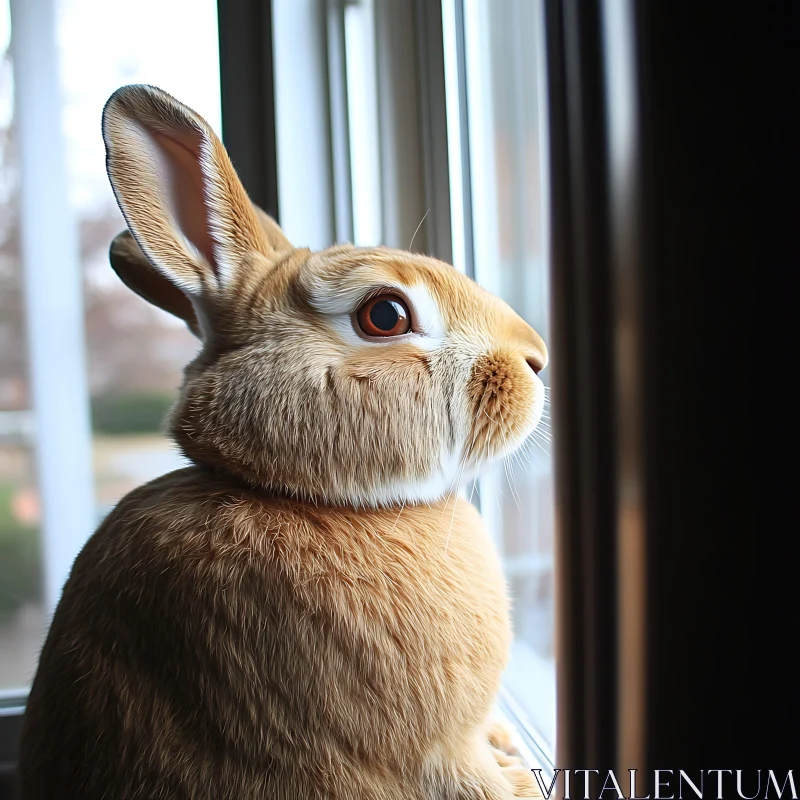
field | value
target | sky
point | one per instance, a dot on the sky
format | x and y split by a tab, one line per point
5	32
104	44
5	25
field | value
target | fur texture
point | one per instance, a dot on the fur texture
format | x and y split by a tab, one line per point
307	612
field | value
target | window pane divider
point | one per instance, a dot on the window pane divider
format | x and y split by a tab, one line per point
53	297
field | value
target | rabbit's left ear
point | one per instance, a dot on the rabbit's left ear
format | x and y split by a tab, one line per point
179	193
137	273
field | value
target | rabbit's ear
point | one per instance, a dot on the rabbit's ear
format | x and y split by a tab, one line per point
275	236
137	273
179	192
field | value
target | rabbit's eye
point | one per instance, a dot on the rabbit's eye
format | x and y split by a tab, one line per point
384	315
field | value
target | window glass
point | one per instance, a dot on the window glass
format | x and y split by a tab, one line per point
493	75
134	352
504	136
21	615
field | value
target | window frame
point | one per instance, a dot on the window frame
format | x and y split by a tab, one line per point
53	294
469	68
411	61
668	53
433	34
53	290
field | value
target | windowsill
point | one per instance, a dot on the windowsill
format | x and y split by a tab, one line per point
530	680
534	749
12	707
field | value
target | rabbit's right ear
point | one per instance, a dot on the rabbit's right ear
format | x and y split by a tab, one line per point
179	194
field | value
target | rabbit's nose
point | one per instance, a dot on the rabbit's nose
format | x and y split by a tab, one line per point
536	364
536	356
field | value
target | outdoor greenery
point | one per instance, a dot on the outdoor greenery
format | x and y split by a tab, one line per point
132	412
20	566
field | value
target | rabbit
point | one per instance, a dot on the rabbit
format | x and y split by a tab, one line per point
308	610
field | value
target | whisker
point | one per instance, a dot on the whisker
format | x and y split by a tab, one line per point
464	457
402	506
453	490
540	446
417	230
472	490
450	529
511	485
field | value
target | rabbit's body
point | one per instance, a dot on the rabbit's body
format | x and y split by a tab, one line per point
213	642
307	612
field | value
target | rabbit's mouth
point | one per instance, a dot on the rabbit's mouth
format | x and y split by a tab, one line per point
507	399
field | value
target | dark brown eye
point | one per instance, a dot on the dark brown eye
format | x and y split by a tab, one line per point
384	315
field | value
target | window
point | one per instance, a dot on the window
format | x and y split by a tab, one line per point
420	122
125	366
20	573
420	127
385	167
498	47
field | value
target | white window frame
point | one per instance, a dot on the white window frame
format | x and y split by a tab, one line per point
53	298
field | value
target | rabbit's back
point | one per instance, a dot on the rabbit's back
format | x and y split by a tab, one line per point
213	642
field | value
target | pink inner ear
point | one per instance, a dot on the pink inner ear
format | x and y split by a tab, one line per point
184	179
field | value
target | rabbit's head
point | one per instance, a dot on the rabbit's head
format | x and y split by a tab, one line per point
361	376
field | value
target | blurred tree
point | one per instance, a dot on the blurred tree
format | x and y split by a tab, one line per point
12	321
131	346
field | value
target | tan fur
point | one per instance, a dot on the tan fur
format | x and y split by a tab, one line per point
306	612
501	739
